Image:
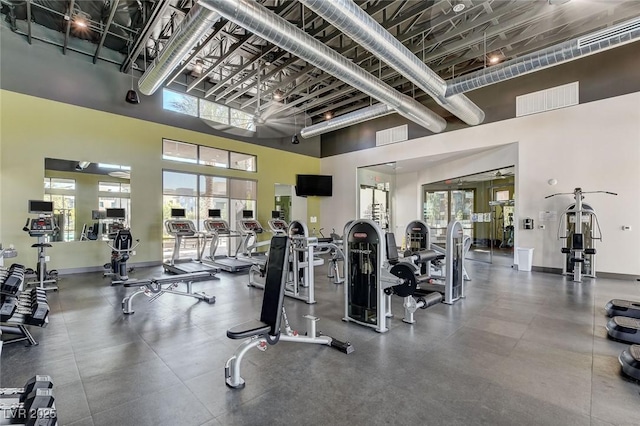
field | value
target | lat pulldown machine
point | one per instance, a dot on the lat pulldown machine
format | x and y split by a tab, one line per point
577	227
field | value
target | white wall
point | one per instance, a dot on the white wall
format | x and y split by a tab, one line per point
595	146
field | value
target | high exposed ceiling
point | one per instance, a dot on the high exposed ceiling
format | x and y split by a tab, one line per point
224	66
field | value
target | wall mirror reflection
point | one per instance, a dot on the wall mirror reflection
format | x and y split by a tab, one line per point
81	192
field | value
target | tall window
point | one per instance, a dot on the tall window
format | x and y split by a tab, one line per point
62	192
197	193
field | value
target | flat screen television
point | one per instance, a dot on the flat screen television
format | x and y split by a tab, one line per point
178	213
214	213
115	214
314	185
98	214
247	214
37	206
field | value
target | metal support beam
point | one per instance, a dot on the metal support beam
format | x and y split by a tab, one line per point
156	15
68	30
114	7
29	21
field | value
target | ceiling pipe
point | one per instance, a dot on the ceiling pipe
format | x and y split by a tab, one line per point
615	36
358	25
192	29
346	120
277	30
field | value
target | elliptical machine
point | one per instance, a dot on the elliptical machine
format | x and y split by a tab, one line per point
42	227
579	235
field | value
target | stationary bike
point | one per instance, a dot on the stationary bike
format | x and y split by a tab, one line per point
42	227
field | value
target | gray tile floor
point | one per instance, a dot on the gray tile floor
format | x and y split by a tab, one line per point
523	348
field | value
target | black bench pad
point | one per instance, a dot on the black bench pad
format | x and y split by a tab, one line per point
248	329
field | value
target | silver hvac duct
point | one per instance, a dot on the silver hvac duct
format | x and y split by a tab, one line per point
194	26
576	48
271	27
355	23
364	114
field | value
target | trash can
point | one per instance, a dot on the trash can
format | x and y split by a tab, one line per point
525	258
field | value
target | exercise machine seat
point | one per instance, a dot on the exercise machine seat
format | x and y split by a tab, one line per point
37	245
274	284
623	308
248	329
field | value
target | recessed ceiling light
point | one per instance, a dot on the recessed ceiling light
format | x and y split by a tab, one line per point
459	7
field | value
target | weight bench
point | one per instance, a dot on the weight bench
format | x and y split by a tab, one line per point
266	330
156	287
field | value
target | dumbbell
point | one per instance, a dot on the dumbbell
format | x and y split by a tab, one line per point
36	382
8	308
37	409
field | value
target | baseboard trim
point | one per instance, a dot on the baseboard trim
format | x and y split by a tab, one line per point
608	275
70	271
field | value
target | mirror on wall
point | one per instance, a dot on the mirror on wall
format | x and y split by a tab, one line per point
376	185
81	192
290	206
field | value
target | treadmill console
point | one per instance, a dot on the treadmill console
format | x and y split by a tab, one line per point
278	225
182	228
250	225
217	225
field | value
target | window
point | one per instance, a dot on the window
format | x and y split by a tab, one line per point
179	151
198	154
242	120
115	195
243	162
214	157
210	111
214	112
180	102
62	192
199	193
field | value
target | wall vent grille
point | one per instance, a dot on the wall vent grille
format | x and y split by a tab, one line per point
547	100
392	135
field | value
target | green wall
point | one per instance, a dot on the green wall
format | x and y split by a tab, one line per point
34	128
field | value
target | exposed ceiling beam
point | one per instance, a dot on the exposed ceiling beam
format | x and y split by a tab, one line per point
29	21
68	29
157	14
114	7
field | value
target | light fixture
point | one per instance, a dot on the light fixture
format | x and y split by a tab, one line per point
132	95
82	165
328	115
552	181
197	68
295	140
277	94
494	59
459	7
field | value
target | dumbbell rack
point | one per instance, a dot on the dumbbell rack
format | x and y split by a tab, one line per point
20	308
33	404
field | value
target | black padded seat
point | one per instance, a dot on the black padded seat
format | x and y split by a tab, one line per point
274	284
623	308
325	240
248	329
41	245
630	361
624	329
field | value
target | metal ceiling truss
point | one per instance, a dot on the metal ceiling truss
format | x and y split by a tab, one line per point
452	44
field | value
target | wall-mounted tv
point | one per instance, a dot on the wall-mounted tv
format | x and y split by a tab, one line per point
178	213
37	206
314	185
115	214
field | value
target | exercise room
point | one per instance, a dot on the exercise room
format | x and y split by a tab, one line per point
250	212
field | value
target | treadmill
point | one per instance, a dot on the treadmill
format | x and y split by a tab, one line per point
249	229
182	229
217	228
